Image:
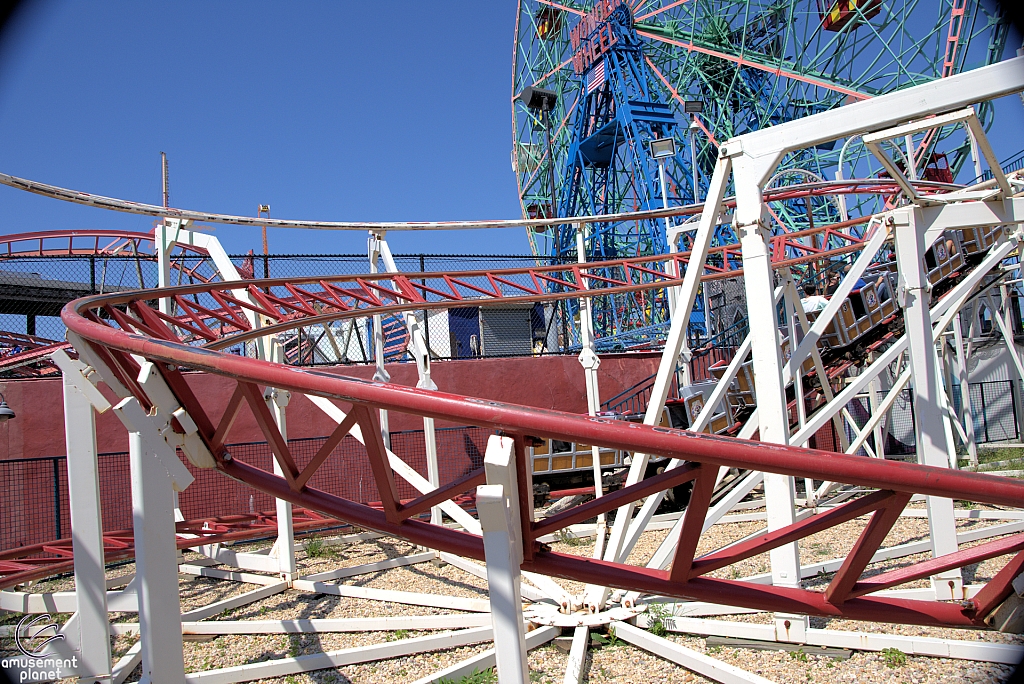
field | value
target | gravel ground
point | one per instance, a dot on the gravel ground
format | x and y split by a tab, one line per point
614	662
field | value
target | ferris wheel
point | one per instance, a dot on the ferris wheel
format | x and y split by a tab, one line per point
615	75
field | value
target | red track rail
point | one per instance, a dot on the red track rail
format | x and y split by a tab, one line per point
37	561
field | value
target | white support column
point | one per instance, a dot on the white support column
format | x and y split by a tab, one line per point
769	386
91	642
381	374
577	656
156	472
162	236
966	413
915	293
591	362
284	547
421	353
874	390
497	505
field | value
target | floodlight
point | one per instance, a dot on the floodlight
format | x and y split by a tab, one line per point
663	148
538	98
693	107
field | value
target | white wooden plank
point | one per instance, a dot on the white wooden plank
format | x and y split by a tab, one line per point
687	657
410	598
340	658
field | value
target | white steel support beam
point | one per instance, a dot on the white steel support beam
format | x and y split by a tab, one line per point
284	548
911	645
769	385
695	661
421	354
172	231
80	398
943	311
497	504
591	362
336	659
381	374
485	660
577	656
930	431
944	95
154	477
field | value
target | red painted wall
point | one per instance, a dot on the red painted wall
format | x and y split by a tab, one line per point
545	382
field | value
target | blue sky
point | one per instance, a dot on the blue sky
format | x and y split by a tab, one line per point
326	111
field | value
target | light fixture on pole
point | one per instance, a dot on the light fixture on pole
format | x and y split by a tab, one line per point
662	149
693	108
260	210
693	159
6	412
540	99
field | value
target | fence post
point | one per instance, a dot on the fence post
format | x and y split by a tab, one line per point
1013	403
984	413
56	497
426	318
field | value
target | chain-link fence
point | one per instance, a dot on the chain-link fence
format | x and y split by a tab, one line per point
993	406
34	504
33	289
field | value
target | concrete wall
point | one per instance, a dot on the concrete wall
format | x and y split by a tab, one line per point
544	382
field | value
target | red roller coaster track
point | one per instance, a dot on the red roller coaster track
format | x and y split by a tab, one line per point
134	327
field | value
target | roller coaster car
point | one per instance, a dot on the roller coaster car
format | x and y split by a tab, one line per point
555	457
549	22
944	258
937	169
683	412
862	311
975	242
563	465
837	14
740	395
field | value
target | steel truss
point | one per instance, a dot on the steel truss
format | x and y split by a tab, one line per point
141	353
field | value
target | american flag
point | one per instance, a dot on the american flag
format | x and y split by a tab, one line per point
596	78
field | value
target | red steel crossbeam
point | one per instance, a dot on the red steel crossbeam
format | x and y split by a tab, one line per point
26	563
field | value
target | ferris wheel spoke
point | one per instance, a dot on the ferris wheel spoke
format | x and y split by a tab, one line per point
743	61
564	8
661	9
675	94
551	73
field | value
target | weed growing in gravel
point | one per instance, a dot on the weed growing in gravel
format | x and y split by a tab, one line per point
894	657
316	547
478	677
657	613
567	537
798	655
398	635
969	505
